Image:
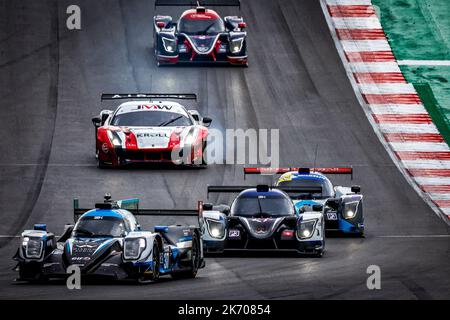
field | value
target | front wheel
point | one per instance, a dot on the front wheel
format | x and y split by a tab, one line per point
204	159
100	163
31	273
156	259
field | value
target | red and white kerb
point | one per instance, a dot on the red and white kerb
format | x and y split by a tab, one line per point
395	105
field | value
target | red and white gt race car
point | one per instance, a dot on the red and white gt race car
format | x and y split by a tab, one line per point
150	128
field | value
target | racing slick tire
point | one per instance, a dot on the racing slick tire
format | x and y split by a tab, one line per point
100	164
31	273
154	277
195	262
320	253
204	159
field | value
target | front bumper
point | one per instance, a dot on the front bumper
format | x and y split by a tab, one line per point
304	247
200	58
120	157
113	268
345	226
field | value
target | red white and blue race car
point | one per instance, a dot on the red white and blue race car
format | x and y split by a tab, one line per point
200	35
150	128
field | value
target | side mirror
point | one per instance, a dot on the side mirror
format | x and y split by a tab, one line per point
356	189
333	203
207	206
138	227
160	24
194	114
206	121
242	25
97	121
317	207
222	208
105	116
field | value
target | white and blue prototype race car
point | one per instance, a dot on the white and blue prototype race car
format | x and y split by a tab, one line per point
108	241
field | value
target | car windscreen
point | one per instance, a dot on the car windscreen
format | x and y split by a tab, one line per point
327	188
100	226
201	27
262	206
151	119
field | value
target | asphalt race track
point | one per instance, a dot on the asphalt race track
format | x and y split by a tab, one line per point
50	85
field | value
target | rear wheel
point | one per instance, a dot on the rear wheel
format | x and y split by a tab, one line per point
156	259
195	262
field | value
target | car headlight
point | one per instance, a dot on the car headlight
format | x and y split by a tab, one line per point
169	44
236	45
215	228
133	248
350	209
33	247
114	138
306	229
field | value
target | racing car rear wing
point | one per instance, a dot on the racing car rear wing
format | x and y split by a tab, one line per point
132	205
271	171
193	3
264	188
119	96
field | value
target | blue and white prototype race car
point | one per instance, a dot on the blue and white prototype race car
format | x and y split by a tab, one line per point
342	206
261	218
108	241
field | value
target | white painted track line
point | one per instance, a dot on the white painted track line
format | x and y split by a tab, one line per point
398	109
408	128
387	88
424	62
439	196
362	67
357	23
349	2
426	164
420	146
365	45
416	236
432	180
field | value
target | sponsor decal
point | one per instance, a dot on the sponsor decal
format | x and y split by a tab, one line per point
155	107
151	135
331	215
233	233
260	229
86	245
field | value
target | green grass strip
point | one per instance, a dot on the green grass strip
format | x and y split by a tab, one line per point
434	109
